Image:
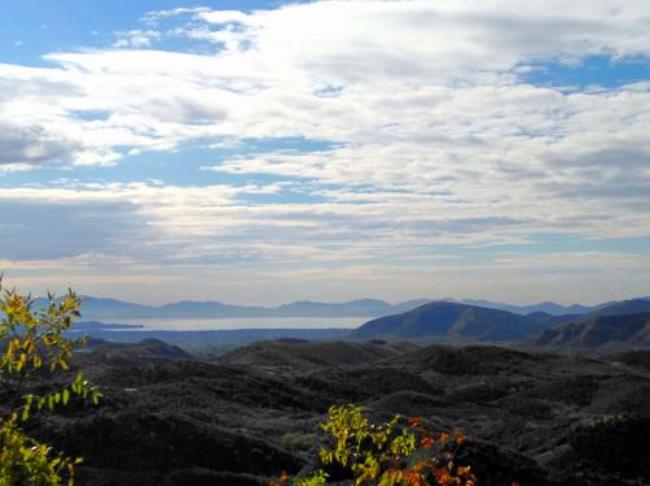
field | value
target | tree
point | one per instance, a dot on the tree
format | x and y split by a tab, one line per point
387	454
35	343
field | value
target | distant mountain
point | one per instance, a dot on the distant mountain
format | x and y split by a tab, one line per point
94	326
355	308
450	320
209	309
408	305
633	306
606	330
103	308
100	308
550	308
94	307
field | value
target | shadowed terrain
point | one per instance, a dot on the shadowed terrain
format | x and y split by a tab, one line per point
538	418
603	331
296	353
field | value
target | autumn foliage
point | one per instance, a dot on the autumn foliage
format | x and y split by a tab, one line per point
398	452
34	343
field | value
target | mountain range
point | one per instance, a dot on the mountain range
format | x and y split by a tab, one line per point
622	323
102	308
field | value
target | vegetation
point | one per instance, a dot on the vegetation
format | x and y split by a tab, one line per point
34	344
386	454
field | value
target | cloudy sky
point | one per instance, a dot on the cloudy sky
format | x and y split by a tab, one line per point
261	152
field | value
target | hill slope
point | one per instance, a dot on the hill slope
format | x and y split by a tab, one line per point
600	331
632	306
142	351
302	354
539	419
453	321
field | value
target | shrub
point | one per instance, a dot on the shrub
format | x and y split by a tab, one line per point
387	454
34	343
26	461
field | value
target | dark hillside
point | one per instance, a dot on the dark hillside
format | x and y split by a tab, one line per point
630	330
640	359
302	354
535	418
147	349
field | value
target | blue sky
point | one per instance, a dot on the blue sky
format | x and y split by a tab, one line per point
262	152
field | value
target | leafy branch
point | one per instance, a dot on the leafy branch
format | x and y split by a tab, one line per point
386	454
35	343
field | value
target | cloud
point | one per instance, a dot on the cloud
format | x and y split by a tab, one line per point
433	135
156	15
32	145
136	38
440	75
223	16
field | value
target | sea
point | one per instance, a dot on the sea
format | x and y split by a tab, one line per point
230	323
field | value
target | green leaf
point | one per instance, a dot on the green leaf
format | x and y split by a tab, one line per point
96	396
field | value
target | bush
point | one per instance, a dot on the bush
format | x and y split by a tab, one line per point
391	453
26	461
34	343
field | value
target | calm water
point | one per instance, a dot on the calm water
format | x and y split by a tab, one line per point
211	324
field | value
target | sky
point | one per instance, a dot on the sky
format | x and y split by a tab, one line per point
262	152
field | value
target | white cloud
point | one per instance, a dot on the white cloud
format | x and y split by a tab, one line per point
154	16
9	167
437	73
136	38
435	138
223	16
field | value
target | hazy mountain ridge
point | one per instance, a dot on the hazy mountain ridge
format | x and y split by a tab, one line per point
97	308
632	306
550	308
